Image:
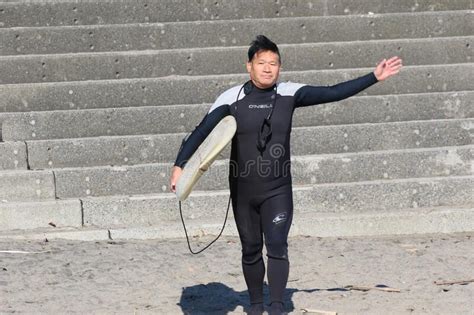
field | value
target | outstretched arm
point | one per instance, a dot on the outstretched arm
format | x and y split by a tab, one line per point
312	95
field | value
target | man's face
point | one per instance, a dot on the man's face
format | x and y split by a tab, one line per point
264	69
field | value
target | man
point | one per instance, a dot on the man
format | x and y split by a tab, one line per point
260	179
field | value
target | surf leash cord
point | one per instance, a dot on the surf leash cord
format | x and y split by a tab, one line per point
186	232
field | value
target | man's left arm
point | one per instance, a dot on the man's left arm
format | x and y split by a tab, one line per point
312	95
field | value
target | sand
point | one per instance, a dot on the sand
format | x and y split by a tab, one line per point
162	277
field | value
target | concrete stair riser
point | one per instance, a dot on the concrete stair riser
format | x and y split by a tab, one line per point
349	198
137	64
3	117
26	185
409	221
142	11
13	156
31	215
130	150
306	170
184	118
52	40
383	165
134	150
389	108
415	221
377	137
389	195
205	89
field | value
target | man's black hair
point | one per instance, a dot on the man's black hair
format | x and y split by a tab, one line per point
262	43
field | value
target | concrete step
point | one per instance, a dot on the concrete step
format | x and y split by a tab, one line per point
13	156
293	30
39	214
202	61
183	118
408	221
205	89
306	170
131	150
26	185
31	13
335	199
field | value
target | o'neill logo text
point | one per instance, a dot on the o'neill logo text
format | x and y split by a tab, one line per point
262	106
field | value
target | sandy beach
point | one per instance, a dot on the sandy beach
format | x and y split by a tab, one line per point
162	277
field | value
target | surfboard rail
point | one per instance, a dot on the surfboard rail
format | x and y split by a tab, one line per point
205	155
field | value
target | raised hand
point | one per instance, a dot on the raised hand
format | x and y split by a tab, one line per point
387	68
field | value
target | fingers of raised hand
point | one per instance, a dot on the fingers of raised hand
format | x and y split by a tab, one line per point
394	62
394	65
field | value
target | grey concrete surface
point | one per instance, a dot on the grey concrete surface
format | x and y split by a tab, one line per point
30	215
205	89
100	181
184	118
26	185
411	221
364	166
387	195
408	221
50	40
338	198
388	108
131	150
106	122
13	156
3	117
387	136
35	13
84	152
395	159
204	61
306	170
379	223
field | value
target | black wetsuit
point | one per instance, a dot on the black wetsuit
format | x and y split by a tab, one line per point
260	180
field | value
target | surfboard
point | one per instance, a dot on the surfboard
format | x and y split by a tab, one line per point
205	155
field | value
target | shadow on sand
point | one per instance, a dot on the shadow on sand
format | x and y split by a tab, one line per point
217	298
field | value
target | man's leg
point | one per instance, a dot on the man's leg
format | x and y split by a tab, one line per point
247	219
277	214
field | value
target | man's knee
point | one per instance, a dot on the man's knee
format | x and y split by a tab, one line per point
277	250
251	253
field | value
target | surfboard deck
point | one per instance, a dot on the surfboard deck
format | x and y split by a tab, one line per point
205	155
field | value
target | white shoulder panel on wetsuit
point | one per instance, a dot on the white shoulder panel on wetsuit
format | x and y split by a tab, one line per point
288	88
228	97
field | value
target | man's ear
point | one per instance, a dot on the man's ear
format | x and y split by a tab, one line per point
249	66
